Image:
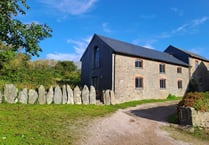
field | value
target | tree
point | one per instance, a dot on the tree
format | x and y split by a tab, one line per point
17	35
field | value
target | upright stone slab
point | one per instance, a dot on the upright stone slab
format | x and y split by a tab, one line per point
112	98
85	95
32	96
1	98
10	93
50	96
107	97
23	96
77	95
64	94
70	95
92	95
41	95
57	95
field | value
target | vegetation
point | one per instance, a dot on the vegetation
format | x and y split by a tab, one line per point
15	35
198	100
193	135
22	72
51	124
170	96
20	41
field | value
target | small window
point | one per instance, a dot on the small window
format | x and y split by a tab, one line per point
179	70
163	83
138	82
139	63
179	84
196	64
162	68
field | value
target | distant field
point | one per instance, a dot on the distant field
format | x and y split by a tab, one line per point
50	124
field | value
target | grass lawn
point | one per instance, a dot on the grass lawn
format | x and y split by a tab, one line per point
51	124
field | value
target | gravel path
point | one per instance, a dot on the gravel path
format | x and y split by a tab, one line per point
133	126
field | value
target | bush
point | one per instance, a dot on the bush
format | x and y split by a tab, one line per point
171	97
197	100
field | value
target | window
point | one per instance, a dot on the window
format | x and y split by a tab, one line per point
163	83
139	63
138	82
196	63
162	68
179	84
179	70
97	58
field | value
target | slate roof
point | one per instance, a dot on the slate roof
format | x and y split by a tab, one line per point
138	51
191	54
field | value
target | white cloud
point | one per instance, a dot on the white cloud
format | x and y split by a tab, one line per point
178	11
200	21
79	47
190	27
73	7
145	43
106	28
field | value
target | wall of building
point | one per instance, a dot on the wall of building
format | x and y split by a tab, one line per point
200	73
103	72
125	73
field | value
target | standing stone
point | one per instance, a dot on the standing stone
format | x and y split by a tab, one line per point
42	95
77	95
32	96
23	96
92	95
50	95
107	97
70	95
85	95
10	93
57	95
112	98
1	98
64	94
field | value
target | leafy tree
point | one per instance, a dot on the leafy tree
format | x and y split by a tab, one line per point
17	35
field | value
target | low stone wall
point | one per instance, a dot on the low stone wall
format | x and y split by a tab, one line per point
190	116
57	95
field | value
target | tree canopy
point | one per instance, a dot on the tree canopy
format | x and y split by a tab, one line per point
17	35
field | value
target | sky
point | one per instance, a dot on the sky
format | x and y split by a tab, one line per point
154	24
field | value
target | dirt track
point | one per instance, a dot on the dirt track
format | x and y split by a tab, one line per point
133	126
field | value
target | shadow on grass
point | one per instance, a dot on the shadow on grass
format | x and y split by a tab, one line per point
160	113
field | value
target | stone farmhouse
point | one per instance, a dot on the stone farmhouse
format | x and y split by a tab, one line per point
134	72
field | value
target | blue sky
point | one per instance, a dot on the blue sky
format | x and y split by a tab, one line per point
151	23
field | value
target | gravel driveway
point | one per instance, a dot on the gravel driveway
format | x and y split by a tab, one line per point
133	126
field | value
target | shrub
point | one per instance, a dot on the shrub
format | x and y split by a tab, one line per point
197	100
171	97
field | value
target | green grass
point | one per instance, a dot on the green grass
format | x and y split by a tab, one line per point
51	124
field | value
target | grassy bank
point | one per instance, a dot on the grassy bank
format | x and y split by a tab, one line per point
50	124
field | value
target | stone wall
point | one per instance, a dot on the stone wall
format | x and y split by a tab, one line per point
57	95
126	72
190	116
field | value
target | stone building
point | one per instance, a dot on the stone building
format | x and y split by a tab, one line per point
134	72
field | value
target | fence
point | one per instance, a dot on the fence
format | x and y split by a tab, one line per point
57	95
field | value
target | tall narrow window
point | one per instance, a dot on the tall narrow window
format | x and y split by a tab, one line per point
162	83
138	82
139	63
196	63
179	70
162	68
97	58
179	83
